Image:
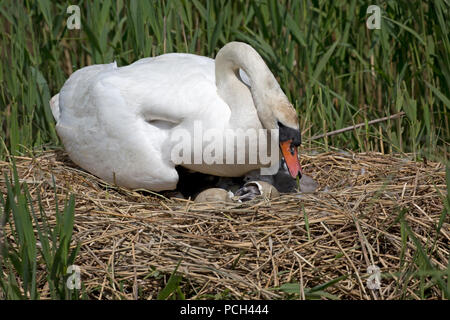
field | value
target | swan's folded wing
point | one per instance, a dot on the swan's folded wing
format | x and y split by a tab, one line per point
173	88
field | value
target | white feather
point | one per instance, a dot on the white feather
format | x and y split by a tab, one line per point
116	122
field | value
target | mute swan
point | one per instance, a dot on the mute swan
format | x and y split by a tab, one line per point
116	123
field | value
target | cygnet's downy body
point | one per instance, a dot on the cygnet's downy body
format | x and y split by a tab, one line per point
283	181
253	189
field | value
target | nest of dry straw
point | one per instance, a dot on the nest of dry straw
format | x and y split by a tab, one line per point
131	241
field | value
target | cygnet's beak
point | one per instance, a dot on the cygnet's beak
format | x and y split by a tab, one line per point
290	154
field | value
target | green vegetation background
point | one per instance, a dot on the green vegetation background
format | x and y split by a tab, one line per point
334	69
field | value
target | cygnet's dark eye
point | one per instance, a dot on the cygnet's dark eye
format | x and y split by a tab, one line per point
292	149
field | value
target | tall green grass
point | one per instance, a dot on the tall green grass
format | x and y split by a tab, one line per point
30	247
335	71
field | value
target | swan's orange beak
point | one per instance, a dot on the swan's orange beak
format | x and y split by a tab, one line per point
290	155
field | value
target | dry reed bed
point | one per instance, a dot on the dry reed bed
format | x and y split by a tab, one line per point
128	238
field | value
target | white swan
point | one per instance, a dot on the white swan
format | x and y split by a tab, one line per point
116	122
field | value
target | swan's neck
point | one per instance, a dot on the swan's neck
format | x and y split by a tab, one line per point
263	86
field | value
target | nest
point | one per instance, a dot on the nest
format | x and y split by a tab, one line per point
131	241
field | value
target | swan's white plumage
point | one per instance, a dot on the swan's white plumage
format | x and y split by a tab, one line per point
116	122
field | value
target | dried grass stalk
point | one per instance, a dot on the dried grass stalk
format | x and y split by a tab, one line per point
127	237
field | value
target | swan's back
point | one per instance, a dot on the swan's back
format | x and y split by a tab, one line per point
165	79
116	122
73	94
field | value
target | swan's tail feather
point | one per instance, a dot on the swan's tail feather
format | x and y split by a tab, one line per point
54	105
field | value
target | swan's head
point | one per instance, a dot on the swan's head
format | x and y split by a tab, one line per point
289	136
276	112
273	107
